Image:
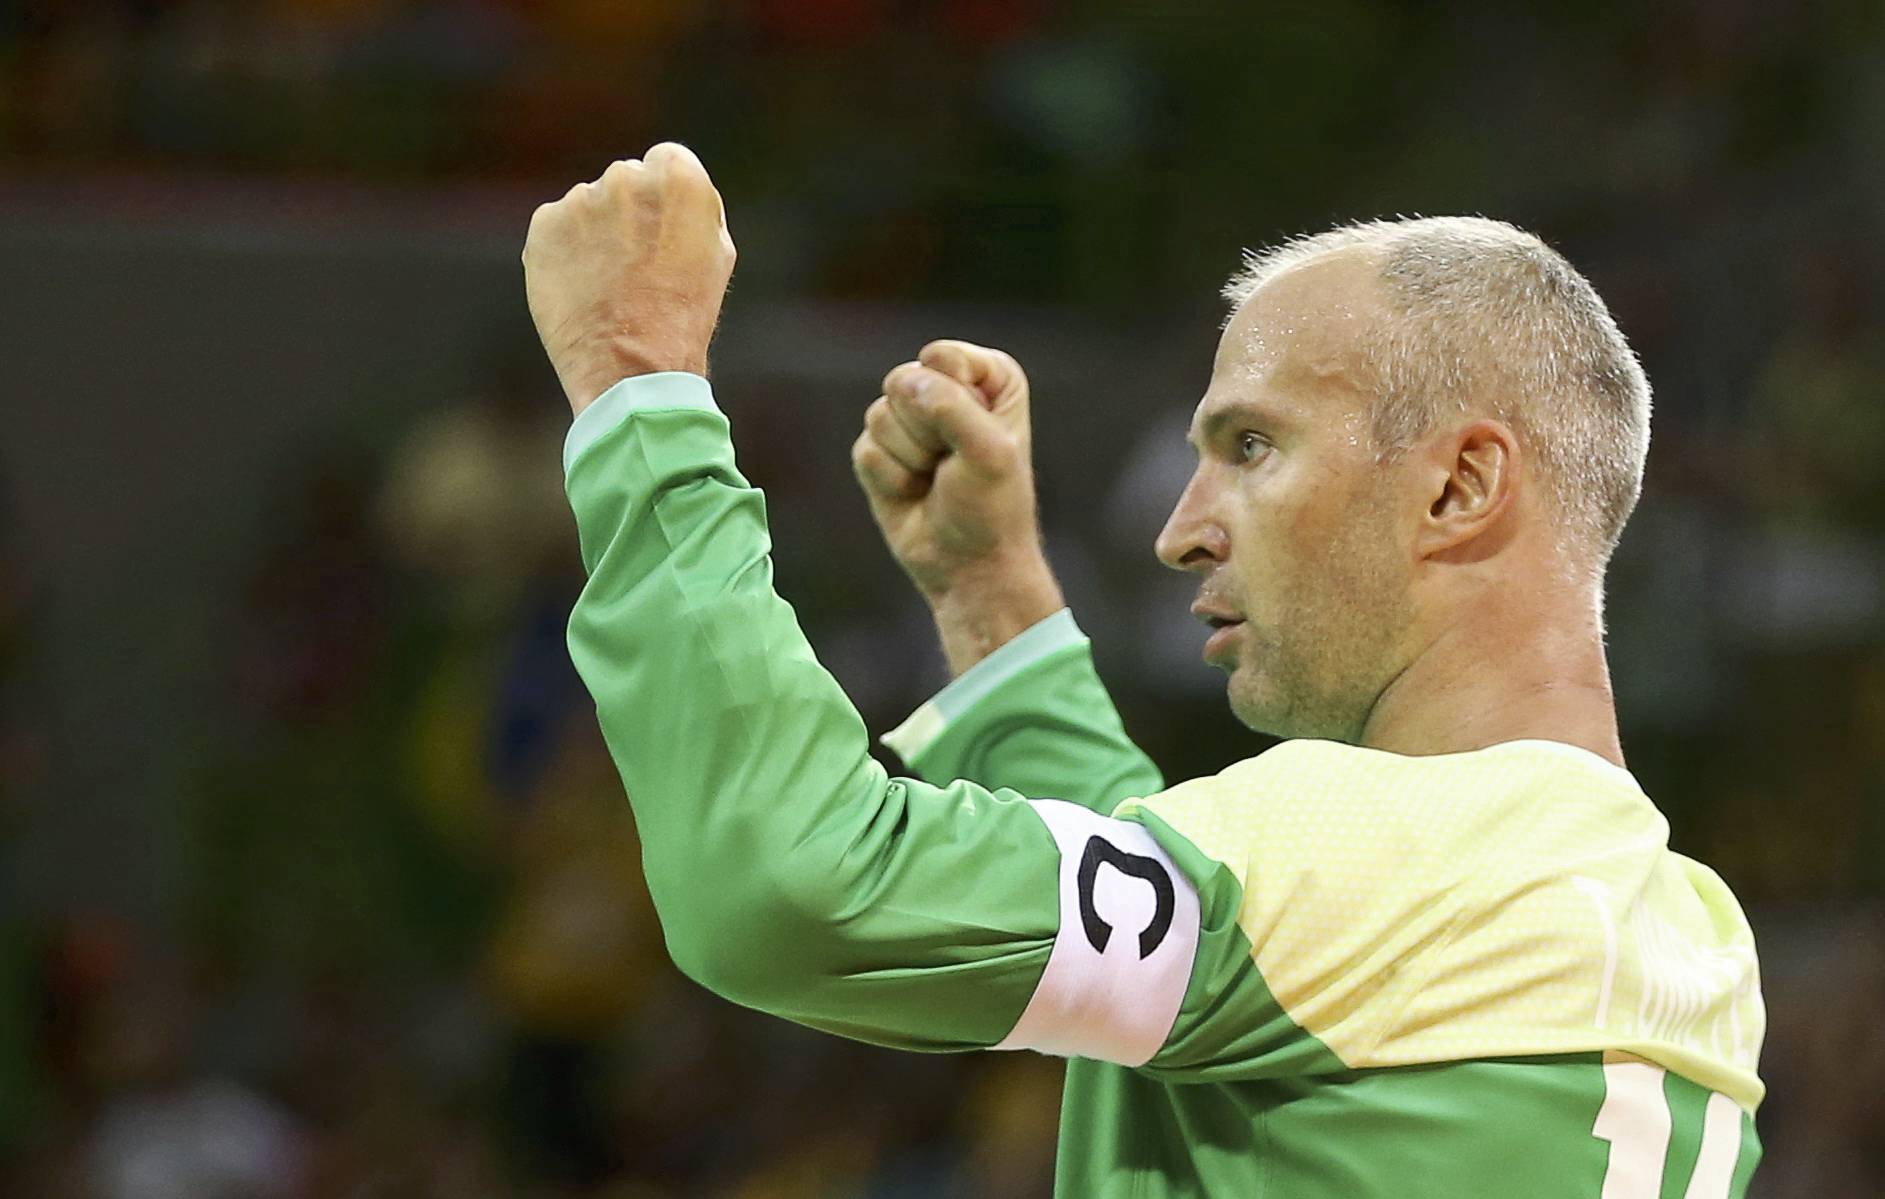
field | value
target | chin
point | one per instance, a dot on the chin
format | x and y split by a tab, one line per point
1263	707
1253	710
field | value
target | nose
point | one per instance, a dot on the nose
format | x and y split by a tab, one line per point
1193	538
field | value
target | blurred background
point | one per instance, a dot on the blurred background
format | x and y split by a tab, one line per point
315	879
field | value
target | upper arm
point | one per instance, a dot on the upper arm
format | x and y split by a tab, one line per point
915	916
991	921
1223	1022
1152	962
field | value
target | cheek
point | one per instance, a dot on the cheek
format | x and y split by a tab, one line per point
1313	551
1298	516
1275	546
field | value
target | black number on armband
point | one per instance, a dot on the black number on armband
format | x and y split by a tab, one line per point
1101	852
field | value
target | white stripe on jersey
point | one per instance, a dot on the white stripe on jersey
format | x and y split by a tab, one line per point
1122	956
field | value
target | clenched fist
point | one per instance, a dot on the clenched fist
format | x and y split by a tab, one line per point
625	275
945	461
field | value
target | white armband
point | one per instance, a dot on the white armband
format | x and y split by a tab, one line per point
1122	957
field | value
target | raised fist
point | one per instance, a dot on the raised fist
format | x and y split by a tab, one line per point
945	461
625	275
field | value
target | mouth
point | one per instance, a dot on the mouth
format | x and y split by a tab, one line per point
1223	626
1223	635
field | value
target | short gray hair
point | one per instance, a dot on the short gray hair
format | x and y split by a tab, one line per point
1485	317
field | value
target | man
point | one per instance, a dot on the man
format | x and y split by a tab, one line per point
1435	945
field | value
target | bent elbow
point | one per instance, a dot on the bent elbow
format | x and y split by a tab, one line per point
762	945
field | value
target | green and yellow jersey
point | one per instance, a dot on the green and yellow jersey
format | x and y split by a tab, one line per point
1327	971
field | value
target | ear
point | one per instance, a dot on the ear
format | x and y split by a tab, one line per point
1473	479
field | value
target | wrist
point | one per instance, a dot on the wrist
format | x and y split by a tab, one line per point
981	611
605	363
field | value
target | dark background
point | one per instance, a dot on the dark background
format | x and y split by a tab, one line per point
315	879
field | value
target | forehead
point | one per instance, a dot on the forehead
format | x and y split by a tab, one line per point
1293	349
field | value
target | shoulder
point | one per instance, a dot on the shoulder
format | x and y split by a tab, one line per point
1323	801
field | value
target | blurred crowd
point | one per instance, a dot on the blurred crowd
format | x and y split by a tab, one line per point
1096	154
418	957
411	954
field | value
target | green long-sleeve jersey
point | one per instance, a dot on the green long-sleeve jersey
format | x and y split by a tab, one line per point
1327	971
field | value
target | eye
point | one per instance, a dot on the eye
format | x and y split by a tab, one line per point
1250	446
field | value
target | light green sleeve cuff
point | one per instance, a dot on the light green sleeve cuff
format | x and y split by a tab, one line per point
927	723
661	390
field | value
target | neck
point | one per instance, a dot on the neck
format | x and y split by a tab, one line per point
1476	685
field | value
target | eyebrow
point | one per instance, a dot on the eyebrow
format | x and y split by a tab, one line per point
1234	412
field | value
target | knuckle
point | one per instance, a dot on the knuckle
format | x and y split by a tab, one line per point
933	398
676	159
680	175
893	378
867	462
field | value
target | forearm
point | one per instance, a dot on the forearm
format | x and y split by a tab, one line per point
984	610
673	541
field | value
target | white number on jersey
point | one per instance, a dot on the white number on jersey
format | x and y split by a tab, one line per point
1635	1120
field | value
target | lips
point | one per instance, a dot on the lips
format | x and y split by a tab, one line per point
1223	624
1215	613
1218	644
